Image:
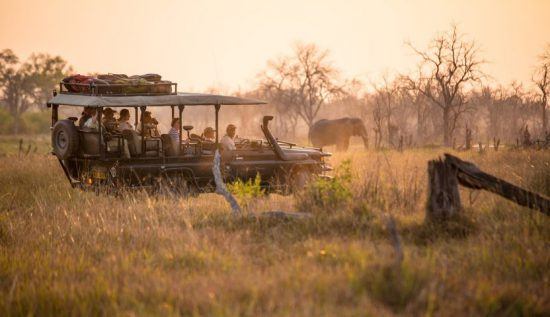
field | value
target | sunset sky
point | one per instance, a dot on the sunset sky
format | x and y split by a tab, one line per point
202	44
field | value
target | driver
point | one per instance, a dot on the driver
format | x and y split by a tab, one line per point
228	140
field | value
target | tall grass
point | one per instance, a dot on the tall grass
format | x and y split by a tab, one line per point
66	252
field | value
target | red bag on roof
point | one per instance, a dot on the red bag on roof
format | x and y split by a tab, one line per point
81	83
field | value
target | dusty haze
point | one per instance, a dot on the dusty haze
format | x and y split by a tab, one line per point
203	44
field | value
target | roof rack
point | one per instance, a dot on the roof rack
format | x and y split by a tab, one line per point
94	89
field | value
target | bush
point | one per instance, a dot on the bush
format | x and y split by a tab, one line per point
246	191
327	194
35	122
6	121
394	285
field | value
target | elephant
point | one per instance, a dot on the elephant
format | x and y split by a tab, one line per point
328	132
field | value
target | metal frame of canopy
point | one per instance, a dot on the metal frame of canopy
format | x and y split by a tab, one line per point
142	101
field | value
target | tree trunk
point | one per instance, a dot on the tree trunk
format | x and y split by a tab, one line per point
544	118
446	128
443	197
16	116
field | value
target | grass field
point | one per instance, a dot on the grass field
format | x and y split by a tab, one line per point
66	252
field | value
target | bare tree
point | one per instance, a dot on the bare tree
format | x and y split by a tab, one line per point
541	78
385	99
377	118
28	84
448	65
301	83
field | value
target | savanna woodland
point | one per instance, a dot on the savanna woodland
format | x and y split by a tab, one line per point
365	241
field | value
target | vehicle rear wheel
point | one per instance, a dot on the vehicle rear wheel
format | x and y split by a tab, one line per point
177	184
64	139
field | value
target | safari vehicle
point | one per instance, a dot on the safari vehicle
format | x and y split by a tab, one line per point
99	158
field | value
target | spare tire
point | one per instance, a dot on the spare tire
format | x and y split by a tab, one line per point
64	139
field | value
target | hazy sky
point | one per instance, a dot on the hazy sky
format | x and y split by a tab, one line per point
201	44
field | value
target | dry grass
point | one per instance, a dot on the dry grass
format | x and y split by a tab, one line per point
65	252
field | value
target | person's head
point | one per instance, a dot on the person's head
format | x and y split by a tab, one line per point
209	133
175	123
124	115
231	130
109	113
89	111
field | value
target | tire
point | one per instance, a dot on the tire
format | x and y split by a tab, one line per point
64	139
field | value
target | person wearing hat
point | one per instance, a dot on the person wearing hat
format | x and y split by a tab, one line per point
228	140
109	121
209	134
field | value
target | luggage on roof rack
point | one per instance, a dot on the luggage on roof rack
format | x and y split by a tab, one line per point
117	84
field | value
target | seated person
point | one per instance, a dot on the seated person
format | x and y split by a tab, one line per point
208	135
123	120
109	121
87	113
150	124
92	123
228	140
174	132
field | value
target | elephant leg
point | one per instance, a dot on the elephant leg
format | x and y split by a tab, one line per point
342	145
345	145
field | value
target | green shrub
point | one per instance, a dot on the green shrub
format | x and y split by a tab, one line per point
246	191
328	193
6	121
35	122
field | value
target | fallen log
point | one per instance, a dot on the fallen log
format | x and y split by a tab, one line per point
444	198
471	176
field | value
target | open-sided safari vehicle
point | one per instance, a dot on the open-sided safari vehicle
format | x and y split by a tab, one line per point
104	158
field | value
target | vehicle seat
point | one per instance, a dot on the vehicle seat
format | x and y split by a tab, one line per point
134	144
169	147
195	137
89	140
152	146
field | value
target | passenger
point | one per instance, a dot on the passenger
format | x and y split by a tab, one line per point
92	123
150	124
123	120
228	140
208	134
109	121
87	113
174	132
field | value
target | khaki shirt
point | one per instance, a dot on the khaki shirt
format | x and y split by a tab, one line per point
228	143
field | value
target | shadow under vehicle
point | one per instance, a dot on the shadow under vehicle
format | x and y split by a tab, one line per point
104	158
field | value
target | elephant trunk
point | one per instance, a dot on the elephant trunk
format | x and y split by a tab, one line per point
363	134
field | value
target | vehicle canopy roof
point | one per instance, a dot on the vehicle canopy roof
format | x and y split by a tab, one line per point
184	99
